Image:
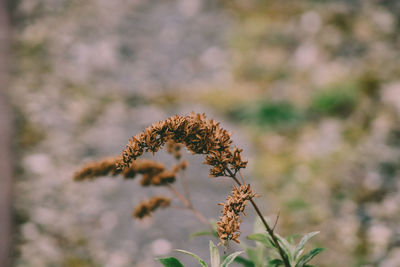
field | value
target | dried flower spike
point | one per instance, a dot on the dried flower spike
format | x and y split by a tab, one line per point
228	228
198	134
145	208
108	166
98	168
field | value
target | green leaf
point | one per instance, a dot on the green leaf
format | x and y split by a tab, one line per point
228	260
202	263
263	238
245	262
307	257
252	254
291	238
256	254
302	243
275	263
287	248
170	262
271	242
214	255
201	233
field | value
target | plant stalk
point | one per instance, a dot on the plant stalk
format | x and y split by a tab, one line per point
189	205
267	227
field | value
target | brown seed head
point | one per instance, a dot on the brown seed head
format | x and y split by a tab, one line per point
228	227
158	179
98	168
198	134
108	166
145	208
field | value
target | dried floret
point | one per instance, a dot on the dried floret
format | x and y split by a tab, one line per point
145	208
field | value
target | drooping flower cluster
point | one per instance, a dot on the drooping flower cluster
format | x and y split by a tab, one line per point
154	173
99	168
198	134
145	208
228	227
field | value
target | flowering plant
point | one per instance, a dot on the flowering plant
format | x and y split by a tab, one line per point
200	136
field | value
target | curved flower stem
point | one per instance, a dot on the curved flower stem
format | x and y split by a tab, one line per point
189	206
267	227
241	177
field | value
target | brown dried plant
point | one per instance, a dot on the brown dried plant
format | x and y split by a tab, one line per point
154	173
228	227
145	208
200	136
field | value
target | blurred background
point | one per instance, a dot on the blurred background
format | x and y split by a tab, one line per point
310	90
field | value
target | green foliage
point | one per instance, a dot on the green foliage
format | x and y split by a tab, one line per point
267	113
263	238
264	254
293	252
202	263
214	256
170	262
244	262
306	258
337	101
228	260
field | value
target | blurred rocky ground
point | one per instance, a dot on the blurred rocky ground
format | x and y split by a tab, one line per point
88	76
309	88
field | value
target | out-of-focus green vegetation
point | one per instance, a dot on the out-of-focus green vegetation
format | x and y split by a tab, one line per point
336	101
266	113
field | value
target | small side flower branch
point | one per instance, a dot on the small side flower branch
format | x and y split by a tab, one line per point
267	227
153	174
200	136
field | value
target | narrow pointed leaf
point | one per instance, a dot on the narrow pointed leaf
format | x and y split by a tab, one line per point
271	242
252	254
286	246
202	263
228	260
276	263
214	254
201	233
170	262
263	238
302	243
307	257
245	262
